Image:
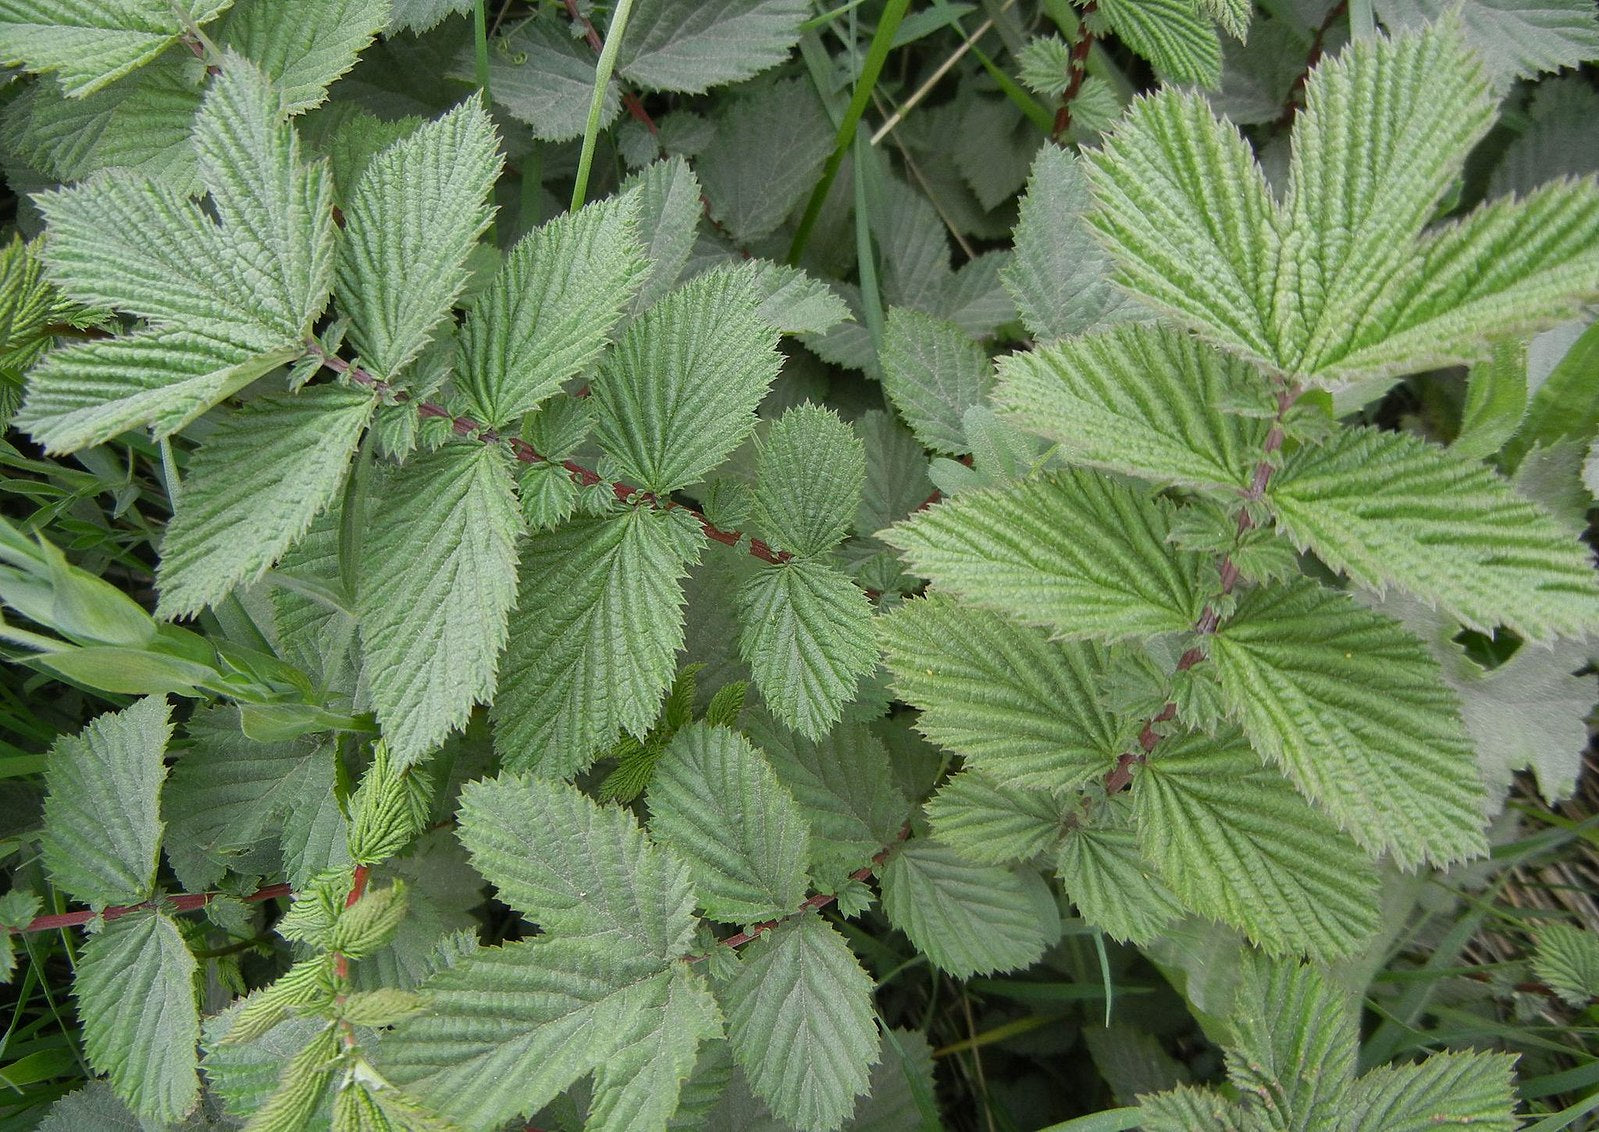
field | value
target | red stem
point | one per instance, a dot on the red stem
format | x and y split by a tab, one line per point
182	902
1078	68
1317	44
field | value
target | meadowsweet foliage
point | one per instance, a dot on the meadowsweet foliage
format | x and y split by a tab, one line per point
645	655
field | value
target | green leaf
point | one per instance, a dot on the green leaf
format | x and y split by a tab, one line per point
1468	1089
101	811
1113	884
409	223
1565	404
508	1028
593	641
764	156
434	597
1391	508
1293	1043
969	919
1142	399
1353	708
810	470
1515	39
1496	399
717	803
253	489
1189	1109
1567	960
669	220
678	393
993	824
1059	275
933	372
1021	708
806	633
576	867
1172	34
691	46
423	15
135	991
797	303
87	44
1233	15
1074	552
799	1016
305	45
543	77
638	1085
1237	843
550	309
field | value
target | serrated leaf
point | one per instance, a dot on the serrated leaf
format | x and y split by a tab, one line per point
678	393
1352	707
1172	34
969	919
1074	552
1059	275
423	15
1293	1043
101	810
716	802
933	372
576	867
993	824
1142	399
1567	960
135	995
543	77
435	597
593	641
1471	1089
508	1028
1516	39
550	309
810	471
253	489
87	44
806	633
799	1018
1021	708
691	45
1237	843
1391	508
1233	15
1113	884
303	46
797	303
409	223
766	152
639	1084
1190	1109
669	218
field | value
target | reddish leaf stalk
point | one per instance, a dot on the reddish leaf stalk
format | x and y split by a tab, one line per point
527	454
1313	56
182	902
1078	68
629	100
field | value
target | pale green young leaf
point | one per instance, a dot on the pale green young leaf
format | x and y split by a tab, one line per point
253	489
101	809
716	802
1059	275
1356	712
796	303
1171	34
95	1105
1113	884
1468	1089
1567	960
1292	1045
1021	708
303	45
669	219
593	641
678	393
508	1028
135	995
806	633
1142	399
799	1017
1237	843
1073	551
1565	403
87	44
1389	507
810	469
550	309
992	824
692	45
638	1085
1515	38
844	786
933	372
409	223
1233	15
439	582
969	919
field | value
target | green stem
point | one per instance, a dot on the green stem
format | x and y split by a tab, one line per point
602	80
876	55
480	42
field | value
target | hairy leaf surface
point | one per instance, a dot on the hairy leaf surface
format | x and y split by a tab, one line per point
810	471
